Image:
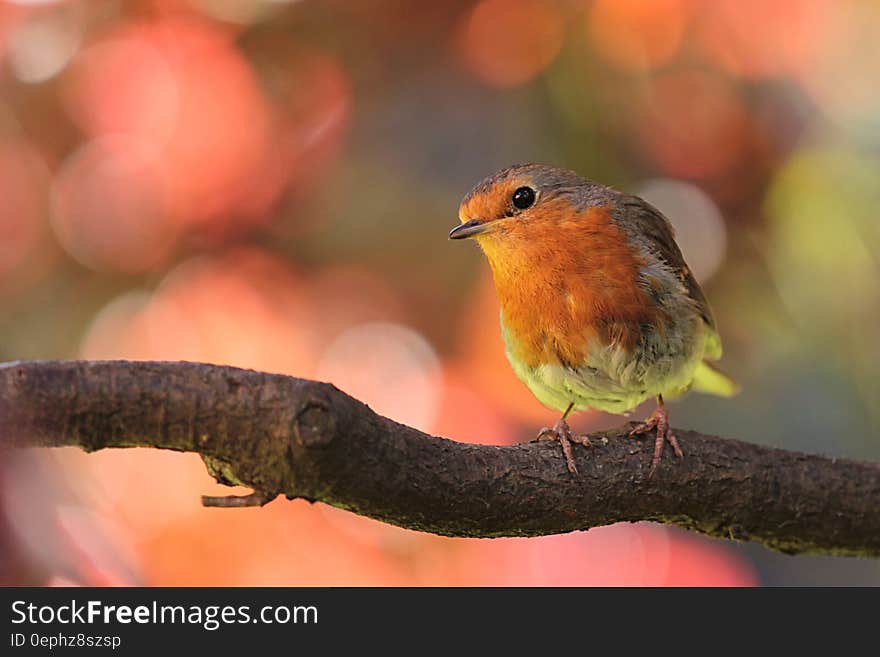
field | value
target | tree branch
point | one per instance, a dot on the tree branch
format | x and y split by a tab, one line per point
303	439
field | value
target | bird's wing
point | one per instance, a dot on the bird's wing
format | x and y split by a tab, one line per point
647	227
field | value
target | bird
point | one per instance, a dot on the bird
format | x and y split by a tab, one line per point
598	308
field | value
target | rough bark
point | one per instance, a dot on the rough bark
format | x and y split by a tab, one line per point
281	435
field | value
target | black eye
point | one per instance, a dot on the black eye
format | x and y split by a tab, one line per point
523	198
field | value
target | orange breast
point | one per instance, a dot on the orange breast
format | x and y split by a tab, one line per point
564	281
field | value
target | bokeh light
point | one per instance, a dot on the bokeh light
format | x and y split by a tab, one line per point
728	33
42	44
159	83
244	309
623	554
508	42
823	207
469	417
345	296
699	227
24	182
313	95
842	71
638	35
118	330
389	367
63	532
110	206
236	11
693	124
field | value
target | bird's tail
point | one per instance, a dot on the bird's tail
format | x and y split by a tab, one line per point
710	380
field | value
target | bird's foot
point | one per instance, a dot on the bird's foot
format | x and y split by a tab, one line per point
658	420
562	433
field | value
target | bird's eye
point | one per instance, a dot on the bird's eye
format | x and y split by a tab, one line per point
523	197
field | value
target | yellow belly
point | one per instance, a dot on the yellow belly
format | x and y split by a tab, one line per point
611	378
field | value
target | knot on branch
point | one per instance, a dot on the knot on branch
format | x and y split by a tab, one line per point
315	424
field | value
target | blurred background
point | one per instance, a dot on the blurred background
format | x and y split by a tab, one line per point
269	184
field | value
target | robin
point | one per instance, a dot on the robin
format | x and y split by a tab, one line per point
598	308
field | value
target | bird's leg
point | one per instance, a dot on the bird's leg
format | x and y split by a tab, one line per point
562	432
658	420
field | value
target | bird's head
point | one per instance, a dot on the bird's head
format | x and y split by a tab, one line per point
523	202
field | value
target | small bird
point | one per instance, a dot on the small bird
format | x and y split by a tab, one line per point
598	308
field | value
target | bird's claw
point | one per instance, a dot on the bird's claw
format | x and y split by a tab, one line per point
562	432
658	420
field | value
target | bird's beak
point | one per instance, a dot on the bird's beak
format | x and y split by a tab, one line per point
468	229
